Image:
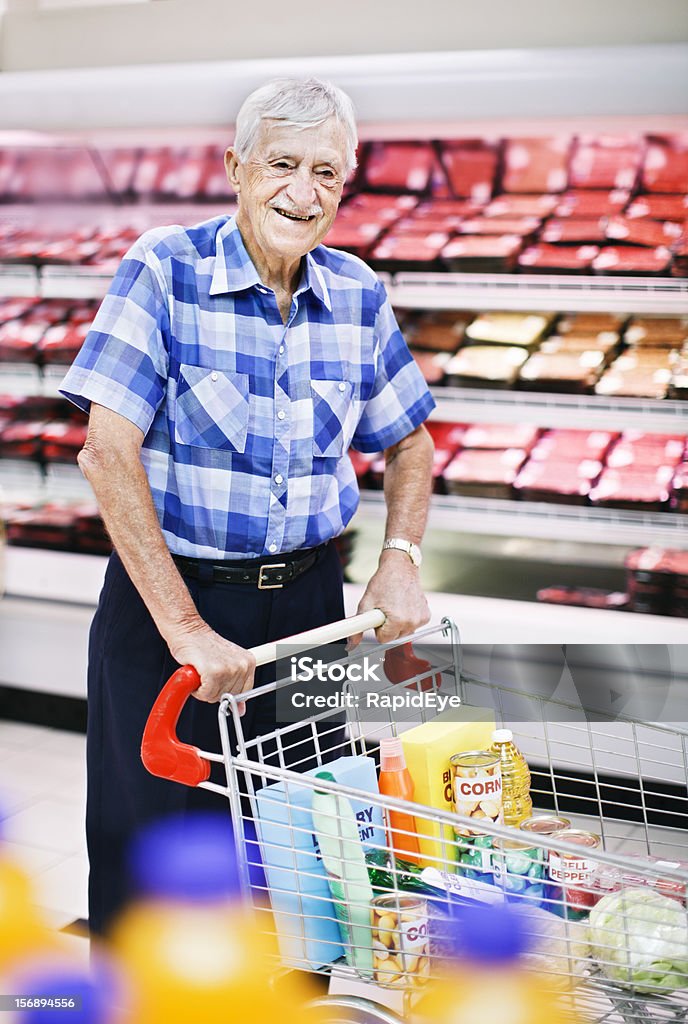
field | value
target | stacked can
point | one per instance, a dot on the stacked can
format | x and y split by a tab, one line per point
519	869
477	794
400	940
545	825
572	876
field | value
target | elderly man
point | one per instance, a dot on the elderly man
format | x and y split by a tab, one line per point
227	373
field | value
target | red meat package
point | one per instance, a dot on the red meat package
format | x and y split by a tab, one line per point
353	236
61	442
632	260
483	473
572	445
446	435
471	168
634	489
550	258
591	204
408	252
62	343
536	165
48	527
400	166
19	341
576	230
521	206
501	435
482	253
15	309
22	439
666	166
522	226
664	452
644	232
120	165
567	482
383	209
659	207
606	161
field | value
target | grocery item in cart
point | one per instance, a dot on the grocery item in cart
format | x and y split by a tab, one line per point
610	878
344	860
516	801
519	869
640	938
395	780
544	824
401	942
570	892
477	794
428	749
305	918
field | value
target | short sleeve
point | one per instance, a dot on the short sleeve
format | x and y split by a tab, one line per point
122	364
400	400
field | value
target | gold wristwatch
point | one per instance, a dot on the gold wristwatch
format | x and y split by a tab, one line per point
411	549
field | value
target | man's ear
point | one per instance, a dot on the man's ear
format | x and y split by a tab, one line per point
232	169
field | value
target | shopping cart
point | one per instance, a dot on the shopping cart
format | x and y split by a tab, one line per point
621	779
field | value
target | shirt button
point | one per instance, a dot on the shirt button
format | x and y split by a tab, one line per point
272	548
342	386
213	376
281	350
281	414
279	478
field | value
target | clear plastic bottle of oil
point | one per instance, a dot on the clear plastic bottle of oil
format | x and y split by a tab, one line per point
515	778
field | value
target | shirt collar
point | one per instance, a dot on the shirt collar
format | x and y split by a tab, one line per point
234	270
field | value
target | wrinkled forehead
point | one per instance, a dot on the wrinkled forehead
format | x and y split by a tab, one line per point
320	143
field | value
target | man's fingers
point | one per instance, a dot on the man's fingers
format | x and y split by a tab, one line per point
354	641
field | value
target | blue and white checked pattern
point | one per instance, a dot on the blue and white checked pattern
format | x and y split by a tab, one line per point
247	421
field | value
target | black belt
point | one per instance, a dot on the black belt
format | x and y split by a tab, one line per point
266	575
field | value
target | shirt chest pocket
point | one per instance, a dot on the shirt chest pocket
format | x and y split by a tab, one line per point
334	417
212	408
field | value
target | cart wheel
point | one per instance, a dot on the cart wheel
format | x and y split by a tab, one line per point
351	1010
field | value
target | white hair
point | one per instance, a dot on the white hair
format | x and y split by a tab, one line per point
303	103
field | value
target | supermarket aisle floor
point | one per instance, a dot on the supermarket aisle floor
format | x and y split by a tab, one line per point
42	801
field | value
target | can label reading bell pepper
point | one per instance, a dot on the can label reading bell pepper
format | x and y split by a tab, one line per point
572	876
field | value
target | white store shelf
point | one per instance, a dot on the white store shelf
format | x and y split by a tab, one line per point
18	281
76	282
544	521
546	409
540	292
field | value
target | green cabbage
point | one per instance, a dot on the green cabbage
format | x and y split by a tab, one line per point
640	938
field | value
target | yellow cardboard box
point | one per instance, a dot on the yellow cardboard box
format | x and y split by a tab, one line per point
427	749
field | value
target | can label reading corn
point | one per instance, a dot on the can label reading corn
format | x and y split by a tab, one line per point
400	940
477	790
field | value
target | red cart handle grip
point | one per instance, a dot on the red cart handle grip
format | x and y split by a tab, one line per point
162	752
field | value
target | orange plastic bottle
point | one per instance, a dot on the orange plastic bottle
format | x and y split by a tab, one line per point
395	780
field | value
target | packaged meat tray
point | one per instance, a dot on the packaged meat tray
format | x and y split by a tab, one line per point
647	452
521	226
643	490
358	238
62	442
446	435
608	878
606	342
440	215
573	445
590	323
399	166
494	366
583	597
383	209
536	165
566	483
658	565
501	435
590	204
431	365
440	460
578	230
669	331
486	254
439	331
644	232
61	343
632	260
470	167
678	385
482	473
49	527
22	439
19	341
679	267
523	329
641	383
409	252
606	162
15	308
666	167
659	207
562	371
521	206
572	259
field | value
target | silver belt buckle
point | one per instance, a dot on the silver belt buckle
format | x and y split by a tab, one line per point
270	586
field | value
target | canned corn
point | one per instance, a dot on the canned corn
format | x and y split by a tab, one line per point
400	940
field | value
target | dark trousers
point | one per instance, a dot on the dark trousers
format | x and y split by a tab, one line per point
128	665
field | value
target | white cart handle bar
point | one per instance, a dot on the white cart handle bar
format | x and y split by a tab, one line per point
163	753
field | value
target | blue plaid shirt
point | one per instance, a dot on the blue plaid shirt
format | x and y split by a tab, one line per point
247	421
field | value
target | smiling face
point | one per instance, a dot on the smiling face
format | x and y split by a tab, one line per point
289	189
